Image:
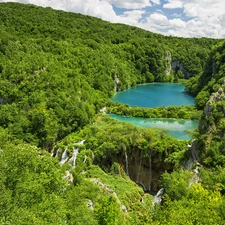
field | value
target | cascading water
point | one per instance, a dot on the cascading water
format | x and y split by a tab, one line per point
80	142
158	197
139	171
143	186
127	169
85	158
75	153
74	157
64	157
57	153
150	172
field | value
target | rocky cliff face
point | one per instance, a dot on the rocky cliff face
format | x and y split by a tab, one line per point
214	111
178	65
116	84
145	171
168	59
210	142
215	98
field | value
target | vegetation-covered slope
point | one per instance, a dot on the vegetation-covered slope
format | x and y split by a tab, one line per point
57	70
211	97
35	189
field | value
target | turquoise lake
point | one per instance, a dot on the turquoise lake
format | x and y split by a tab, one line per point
155	95
177	128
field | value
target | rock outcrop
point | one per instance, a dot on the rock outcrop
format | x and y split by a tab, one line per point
116	86
145	171
178	65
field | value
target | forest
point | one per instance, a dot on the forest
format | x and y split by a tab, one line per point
64	162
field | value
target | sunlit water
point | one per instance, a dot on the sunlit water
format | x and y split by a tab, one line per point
155	95
177	128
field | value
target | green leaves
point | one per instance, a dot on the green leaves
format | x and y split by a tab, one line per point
107	211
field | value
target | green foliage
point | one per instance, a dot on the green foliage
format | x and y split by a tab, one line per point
213	179
179	112
180	74
31	185
34	190
57	69
107	211
193	205
108	138
176	184
209	90
202	98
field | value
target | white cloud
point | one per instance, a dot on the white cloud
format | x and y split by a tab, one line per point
177	23
130	17
161	23
157	20
173	4
97	8
201	18
157	2
204	9
208	17
222	20
135	15
176	15
130	4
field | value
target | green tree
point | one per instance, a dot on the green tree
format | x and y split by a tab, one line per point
107	211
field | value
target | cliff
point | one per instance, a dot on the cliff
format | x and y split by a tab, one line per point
210	139
144	171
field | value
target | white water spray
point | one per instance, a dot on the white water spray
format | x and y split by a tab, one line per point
64	157
74	157
127	169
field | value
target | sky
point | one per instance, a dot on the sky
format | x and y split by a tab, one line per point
183	18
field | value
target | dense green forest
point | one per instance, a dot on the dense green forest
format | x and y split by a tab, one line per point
64	162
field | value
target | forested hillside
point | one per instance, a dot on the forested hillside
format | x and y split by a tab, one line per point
63	162
58	69
211	97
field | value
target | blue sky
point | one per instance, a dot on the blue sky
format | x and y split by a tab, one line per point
170	13
184	18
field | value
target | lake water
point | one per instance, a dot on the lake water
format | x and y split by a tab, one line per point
155	95
177	128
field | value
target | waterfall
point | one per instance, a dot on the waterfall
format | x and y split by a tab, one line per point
150	172
158	197
85	158
143	186
126	158
74	157
80	142
57	153
68	176
139	170
64	157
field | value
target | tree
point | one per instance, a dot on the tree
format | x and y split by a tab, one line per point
107	211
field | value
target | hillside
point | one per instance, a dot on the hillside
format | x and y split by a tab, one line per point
210	140
63	162
58	69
